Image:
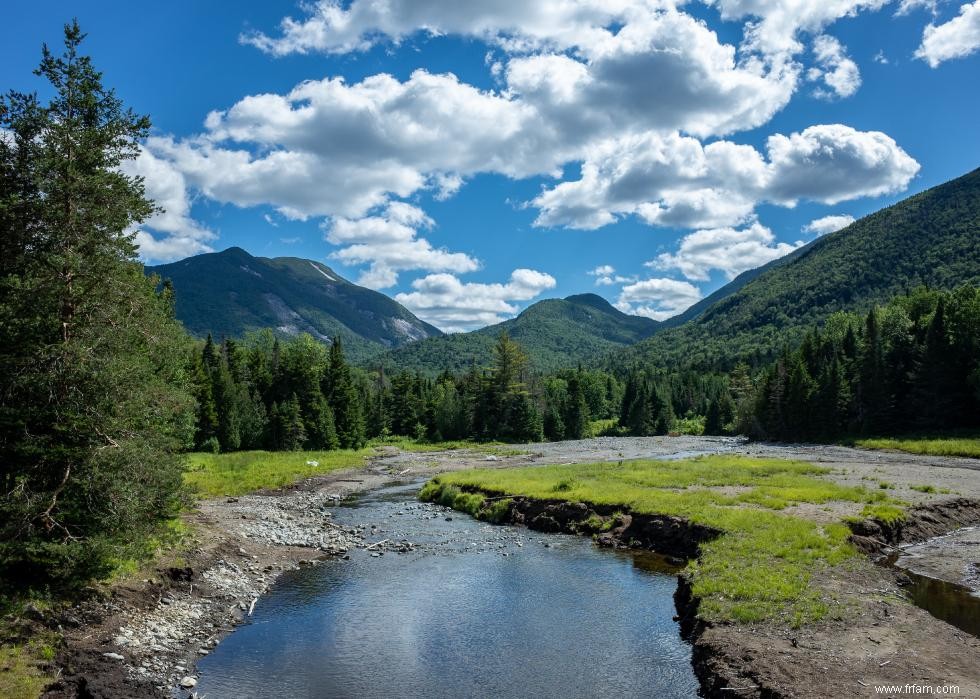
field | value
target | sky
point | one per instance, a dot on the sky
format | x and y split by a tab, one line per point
471	158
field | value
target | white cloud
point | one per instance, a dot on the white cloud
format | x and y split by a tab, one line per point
515	25
171	233
836	70
669	180
831	163
881	58
455	306
776	24
956	38
389	243
290	241
727	249
907	6
606	276
828	224
658	298
627	88
674	181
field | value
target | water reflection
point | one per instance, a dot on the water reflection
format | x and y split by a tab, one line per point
459	618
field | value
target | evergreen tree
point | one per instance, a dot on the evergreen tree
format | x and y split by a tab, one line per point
92	407
576	417
343	397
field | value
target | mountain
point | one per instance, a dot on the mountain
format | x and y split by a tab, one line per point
556	333
230	293
932	238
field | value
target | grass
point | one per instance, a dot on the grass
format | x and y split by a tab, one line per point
240	472
23	671
758	569
930	489
968	446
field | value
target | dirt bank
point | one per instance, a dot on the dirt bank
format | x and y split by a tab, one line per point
157	624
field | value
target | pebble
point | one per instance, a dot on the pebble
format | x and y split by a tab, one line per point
113	656
188	682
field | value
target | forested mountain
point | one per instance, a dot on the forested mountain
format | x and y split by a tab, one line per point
556	333
230	293
930	239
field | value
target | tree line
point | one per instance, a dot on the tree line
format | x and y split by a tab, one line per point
266	392
910	365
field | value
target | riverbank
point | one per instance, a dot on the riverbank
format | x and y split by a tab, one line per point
232	559
773	604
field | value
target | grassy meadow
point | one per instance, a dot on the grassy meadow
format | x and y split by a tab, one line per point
968	446
758	569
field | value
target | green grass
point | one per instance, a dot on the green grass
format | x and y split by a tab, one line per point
758	569
887	513
237	473
241	472
22	668
929	489
928	445
413	445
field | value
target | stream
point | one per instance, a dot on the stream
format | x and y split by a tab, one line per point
469	610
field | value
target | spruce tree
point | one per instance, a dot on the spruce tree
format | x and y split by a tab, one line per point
94	400
342	394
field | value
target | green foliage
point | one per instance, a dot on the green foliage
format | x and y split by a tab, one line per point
931	239
906	365
758	568
232	293
94	400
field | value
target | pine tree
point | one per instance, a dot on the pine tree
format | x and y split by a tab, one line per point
92	407
576	417
344	400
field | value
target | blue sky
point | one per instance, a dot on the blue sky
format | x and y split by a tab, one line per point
471	158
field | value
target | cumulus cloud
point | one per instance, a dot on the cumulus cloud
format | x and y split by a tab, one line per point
828	224
514	25
956	38
775	25
907	6
657	298
727	249
675	181
171	233
455	306
605	275
838	73
389	243
669	180
831	163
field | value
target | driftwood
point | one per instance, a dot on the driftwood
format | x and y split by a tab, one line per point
378	543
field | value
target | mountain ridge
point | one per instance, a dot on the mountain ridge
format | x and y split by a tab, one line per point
232	292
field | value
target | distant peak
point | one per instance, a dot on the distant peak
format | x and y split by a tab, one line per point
593	300
235	251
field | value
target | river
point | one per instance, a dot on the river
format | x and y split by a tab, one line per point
472	610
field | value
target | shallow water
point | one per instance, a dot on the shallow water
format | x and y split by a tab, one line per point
932	566
458	618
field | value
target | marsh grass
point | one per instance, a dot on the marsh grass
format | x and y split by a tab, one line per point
759	568
240	472
968	446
